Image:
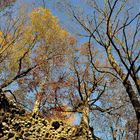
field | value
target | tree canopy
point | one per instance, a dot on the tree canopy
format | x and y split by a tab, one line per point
83	71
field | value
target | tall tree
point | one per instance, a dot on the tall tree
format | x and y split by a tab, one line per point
35	41
114	27
51	46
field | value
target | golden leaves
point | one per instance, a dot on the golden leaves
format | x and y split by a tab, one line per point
52	39
45	24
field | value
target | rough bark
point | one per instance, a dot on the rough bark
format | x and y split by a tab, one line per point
37	103
85	115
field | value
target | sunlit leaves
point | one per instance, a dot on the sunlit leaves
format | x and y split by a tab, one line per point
46	26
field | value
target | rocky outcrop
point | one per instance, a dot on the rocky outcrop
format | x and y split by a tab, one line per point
17	124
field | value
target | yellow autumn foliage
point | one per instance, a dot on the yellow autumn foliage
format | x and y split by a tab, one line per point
51	37
45	24
42	30
10	52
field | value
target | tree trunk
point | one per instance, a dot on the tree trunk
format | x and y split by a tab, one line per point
85	116
85	121
127	84
37	104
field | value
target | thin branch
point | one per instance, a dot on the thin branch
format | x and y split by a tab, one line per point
129	22
95	100
79	83
11	94
22	74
